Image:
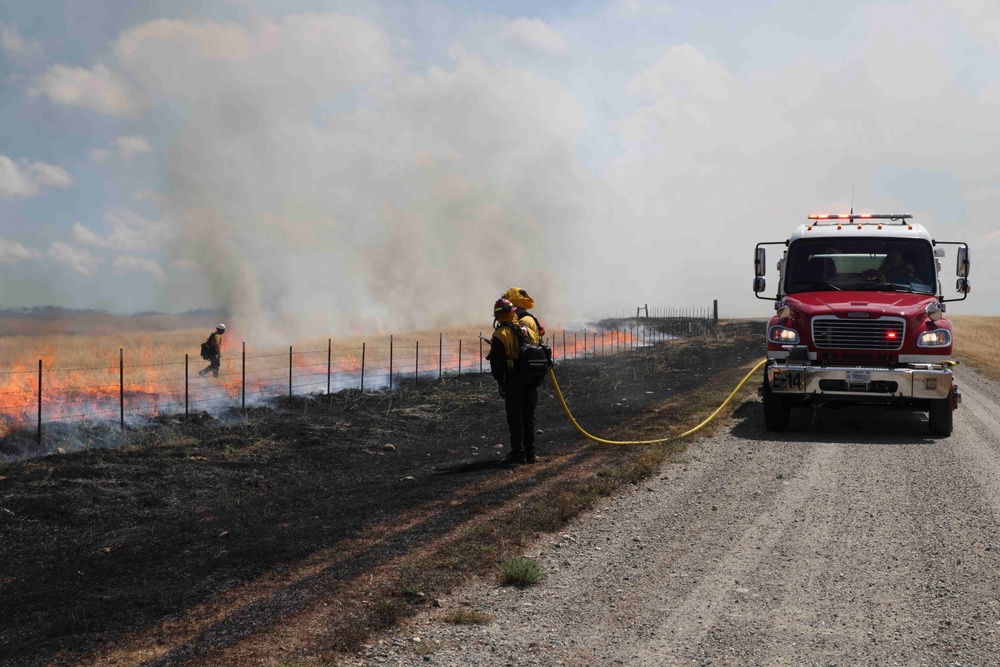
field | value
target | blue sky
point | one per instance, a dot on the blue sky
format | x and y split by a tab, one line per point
325	167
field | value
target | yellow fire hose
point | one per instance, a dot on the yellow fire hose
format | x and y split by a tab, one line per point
649	442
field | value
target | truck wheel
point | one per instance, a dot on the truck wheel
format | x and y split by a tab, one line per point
777	410
941	415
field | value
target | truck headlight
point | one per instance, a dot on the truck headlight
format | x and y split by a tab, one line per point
934	338
782	335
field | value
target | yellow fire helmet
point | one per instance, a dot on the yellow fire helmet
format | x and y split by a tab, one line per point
519	298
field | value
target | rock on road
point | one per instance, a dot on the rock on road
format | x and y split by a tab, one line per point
854	539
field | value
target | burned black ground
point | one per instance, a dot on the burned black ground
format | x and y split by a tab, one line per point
97	545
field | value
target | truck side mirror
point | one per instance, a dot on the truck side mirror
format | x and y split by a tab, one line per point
759	285
963	286
963	263
758	266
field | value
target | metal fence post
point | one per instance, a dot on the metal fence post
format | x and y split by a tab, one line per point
39	402
243	379
460	357
329	363
185	385
121	385
289	371
362	368
440	354
416	364
390	362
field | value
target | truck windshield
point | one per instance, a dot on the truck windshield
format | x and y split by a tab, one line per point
904	265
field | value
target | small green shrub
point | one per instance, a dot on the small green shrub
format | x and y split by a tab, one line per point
520	571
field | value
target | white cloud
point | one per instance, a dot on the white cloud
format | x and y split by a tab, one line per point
100	155
12	252
126	148
17	47
129	232
98	89
129	147
26	180
128	263
83	234
305	57
14	181
77	259
50	175
536	34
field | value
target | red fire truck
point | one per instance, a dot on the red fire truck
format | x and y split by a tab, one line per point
859	318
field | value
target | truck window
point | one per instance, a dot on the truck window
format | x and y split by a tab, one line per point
904	265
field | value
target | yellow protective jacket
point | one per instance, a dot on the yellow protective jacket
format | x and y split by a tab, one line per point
504	349
530	321
215	342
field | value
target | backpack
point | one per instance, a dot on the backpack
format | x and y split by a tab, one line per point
206	349
533	359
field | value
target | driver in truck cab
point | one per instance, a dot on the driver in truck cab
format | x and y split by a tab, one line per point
897	265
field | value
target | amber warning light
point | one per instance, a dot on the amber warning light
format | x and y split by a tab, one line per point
860	216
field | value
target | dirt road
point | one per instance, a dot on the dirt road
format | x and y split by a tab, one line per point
853	539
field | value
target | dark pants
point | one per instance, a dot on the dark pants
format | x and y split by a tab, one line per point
520	401
213	366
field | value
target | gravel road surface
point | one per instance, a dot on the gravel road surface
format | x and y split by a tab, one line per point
853	539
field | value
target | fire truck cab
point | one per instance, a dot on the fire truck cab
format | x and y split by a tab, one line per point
859	318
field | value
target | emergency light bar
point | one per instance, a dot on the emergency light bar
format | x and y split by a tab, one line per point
861	216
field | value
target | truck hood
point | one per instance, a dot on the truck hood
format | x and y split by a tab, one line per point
873	304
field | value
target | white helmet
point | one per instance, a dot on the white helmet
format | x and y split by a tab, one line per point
221	327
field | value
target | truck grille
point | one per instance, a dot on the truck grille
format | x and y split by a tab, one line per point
833	333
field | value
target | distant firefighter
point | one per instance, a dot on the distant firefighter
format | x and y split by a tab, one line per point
211	350
523	302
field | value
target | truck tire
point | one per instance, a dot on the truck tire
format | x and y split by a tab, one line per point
941	415
777	410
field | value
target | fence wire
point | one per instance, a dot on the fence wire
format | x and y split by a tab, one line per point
107	392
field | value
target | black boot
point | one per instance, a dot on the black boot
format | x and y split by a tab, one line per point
516	458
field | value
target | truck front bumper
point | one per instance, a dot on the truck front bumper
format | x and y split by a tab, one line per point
921	381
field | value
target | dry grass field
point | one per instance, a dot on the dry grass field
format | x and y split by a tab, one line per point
976	341
94	366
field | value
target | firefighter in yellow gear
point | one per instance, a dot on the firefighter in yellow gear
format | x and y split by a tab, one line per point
212	352
520	392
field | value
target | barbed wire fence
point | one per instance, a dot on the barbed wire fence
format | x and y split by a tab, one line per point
128	390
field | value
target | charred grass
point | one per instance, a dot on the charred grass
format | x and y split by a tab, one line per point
291	535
